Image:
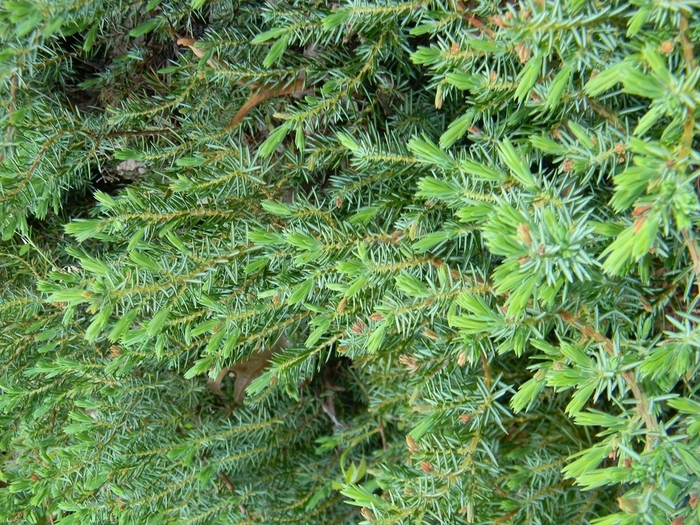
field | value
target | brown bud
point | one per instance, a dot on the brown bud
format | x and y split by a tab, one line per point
465	418
412	445
342	305
409	362
431	335
367	514
567	317
666	47
454	48
523	51
568	166
358	327
693	500
619	148
474	21
461	358
426	467
498	21
524	233
396	236
376	317
641	210
627	505
438	101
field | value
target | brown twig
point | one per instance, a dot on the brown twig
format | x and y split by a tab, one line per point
688	135
151	133
692	249
687	44
10	112
487	370
229	486
606	113
380	426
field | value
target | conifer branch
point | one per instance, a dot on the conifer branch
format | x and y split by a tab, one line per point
642	402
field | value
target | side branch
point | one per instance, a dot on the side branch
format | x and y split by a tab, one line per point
642	401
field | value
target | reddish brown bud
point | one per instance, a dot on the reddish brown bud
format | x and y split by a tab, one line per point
498	21
358	327
461	358
342	305
523	51
430	334
641	210
409	362
524	233
412	445
474	21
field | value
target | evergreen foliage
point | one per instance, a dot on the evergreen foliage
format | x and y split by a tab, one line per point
426	261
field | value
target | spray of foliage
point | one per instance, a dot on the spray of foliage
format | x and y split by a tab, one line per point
309	262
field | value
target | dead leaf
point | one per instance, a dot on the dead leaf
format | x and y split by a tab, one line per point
266	92
215	384
245	372
199	53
